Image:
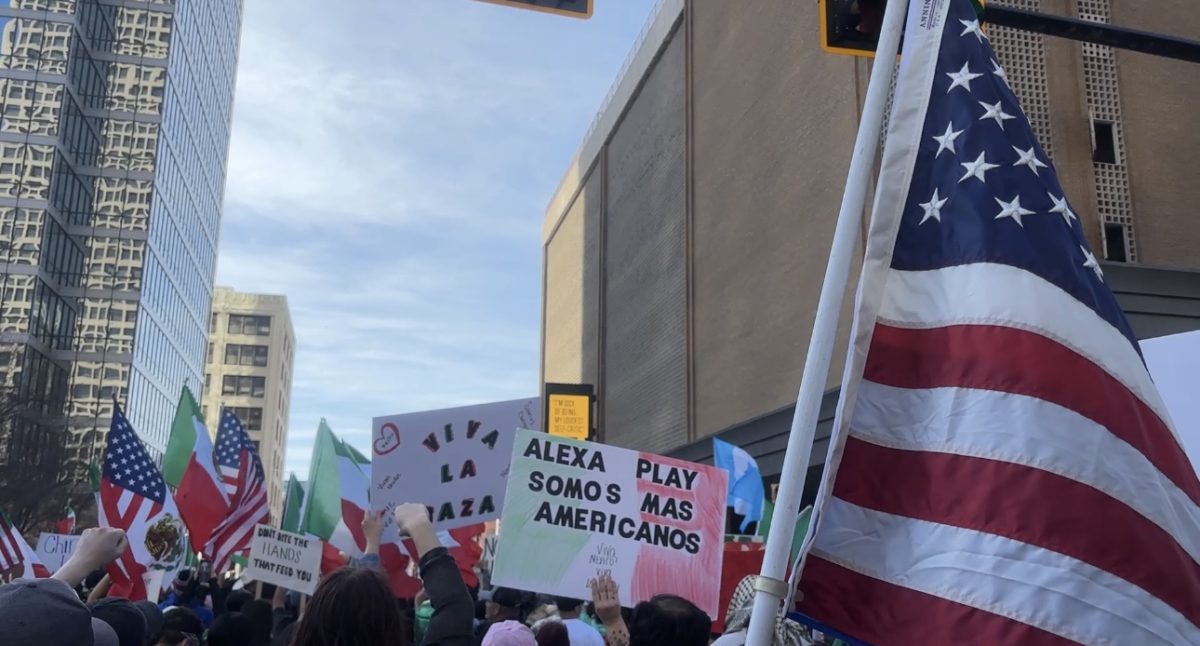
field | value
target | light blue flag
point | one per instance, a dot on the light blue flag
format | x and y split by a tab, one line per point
746	494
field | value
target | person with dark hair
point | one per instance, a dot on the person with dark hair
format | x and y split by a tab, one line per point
230	629
236	599
260	615
664	619
351	606
125	619
154	619
180	627
582	634
554	633
187	592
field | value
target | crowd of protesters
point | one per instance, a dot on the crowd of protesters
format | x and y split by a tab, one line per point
354	606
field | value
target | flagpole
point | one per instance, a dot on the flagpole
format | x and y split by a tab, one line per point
771	585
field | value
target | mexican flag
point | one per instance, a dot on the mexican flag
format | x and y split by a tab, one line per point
293	505
67	524
188	467
339	482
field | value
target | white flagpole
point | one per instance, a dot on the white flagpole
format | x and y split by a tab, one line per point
771	583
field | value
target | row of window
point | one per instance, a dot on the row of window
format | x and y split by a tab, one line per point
244	386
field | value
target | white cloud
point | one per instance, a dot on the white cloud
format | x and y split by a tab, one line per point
389	169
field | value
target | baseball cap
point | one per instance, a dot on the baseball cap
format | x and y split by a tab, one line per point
45	611
125	618
507	597
104	634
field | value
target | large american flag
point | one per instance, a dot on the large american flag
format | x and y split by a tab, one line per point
134	497
1004	471
248	494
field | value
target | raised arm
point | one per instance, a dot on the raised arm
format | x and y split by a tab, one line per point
453	611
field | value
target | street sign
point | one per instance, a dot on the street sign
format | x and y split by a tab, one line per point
568	410
851	27
571	8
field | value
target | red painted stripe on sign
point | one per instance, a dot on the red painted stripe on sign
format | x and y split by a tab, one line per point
1016	361
879	612
1024	504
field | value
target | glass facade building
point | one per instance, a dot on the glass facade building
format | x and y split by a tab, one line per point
114	131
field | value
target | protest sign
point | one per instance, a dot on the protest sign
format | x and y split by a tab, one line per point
576	509
55	549
455	461
285	559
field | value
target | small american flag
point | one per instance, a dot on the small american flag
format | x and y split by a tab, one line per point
134	497
1004	471
248	495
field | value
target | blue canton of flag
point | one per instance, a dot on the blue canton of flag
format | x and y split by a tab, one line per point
128	465
983	189
746	493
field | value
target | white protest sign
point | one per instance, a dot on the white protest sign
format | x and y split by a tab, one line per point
1172	361
284	559
575	510
55	549
453	460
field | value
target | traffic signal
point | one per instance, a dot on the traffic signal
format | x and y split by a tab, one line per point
852	26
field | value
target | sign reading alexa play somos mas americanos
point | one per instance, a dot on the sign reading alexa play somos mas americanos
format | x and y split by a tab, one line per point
454	461
285	559
576	509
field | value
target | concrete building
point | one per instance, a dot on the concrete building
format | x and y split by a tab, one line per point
251	348
685	246
114	128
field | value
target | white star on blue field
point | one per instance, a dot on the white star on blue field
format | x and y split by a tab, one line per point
389	170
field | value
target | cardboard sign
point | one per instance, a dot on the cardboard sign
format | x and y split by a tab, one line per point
55	549
284	559
574	510
455	461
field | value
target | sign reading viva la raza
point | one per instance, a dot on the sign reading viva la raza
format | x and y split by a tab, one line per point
455	460
578	509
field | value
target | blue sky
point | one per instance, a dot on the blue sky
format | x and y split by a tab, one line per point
389	170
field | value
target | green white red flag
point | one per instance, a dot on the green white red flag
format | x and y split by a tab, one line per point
188	467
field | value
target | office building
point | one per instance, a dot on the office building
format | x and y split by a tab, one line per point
685	247
251	345
114	130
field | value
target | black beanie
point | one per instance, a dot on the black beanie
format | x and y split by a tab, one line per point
126	620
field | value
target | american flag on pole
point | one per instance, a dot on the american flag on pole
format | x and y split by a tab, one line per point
1003	469
14	551
134	497
248	497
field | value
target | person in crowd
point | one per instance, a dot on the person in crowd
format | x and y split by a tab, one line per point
553	633
154	620
188	592
283	612
664	619
49	611
421	615
124	617
582	633
352	606
181	627
737	621
544	611
236	599
509	633
230	629
261	618
501	604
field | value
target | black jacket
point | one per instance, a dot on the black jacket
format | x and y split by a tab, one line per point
453	610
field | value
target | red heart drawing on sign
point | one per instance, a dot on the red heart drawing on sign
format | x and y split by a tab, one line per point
388	439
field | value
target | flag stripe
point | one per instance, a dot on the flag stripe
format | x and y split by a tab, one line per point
1036	586
1015	361
981	423
906	617
1024	504
1019	298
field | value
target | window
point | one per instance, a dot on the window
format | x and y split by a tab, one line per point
1104	142
244	386
207	381
210	353
245	355
248	324
212	322
1114	242
250	416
